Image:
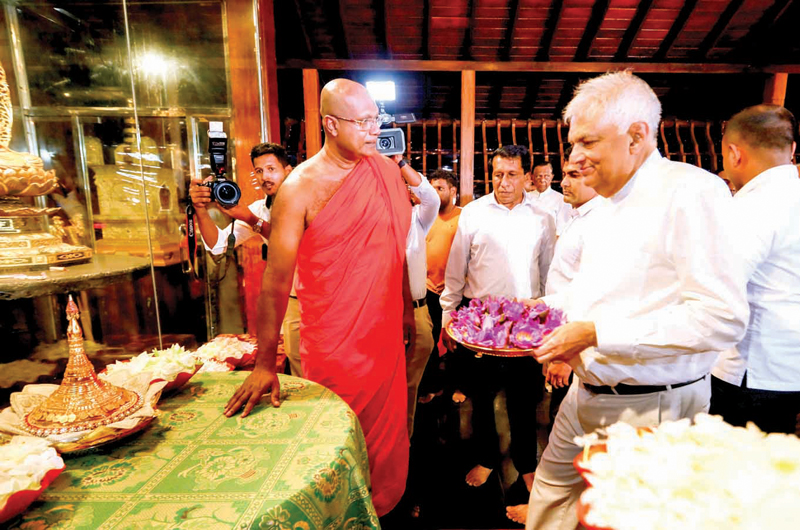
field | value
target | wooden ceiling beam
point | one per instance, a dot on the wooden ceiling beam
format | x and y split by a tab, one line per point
642	10
303	30
543	54
713	36
513	14
469	35
675	30
599	10
534	66
335	17
750	45
426	29
383	27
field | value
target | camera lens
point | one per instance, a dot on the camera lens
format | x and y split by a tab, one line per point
385	143
227	194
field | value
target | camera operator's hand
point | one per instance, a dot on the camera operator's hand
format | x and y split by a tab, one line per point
200	195
242	213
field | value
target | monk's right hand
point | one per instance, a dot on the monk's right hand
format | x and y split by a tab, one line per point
201	195
259	382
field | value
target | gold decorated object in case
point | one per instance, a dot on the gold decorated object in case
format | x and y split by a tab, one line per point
26	242
82	402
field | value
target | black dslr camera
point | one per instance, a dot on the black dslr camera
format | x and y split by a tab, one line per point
225	192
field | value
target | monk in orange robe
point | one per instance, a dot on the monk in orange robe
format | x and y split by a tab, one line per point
342	217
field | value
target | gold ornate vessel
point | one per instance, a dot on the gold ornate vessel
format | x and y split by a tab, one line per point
82	402
28	238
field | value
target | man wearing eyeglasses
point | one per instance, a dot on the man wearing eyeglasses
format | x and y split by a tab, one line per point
270	167
343	218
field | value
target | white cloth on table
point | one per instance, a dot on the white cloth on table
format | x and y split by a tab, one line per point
499	252
567	255
659	278
423	216
766	218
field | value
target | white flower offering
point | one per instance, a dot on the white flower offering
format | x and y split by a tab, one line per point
236	350
162	364
24	461
707	474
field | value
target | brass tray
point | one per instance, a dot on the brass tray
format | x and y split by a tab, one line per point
484	350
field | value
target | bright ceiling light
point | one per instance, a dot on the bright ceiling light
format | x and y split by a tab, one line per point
381	90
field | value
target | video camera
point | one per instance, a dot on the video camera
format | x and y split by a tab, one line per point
391	142
225	192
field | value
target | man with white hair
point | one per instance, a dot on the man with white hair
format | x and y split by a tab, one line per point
658	294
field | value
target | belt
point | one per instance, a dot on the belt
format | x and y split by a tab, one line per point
632	390
422	302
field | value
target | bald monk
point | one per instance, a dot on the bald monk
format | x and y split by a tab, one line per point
343	217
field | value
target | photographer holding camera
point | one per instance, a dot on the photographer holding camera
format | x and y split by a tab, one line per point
270	167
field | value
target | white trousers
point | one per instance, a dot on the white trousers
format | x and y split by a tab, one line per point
558	485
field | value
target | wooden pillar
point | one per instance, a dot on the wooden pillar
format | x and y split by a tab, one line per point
246	132
467	157
775	89
269	72
311	101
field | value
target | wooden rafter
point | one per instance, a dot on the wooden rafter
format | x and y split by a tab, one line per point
383	27
531	95
750	43
675	30
508	39
713	36
426	29
469	35
592	27
566	93
633	29
306	38
335	17
536	66
543	54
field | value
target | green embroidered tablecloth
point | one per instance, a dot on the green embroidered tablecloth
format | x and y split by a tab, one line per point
300	467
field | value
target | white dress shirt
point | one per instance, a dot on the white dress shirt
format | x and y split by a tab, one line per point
553	202
567	255
659	279
241	230
766	215
498	252
423	216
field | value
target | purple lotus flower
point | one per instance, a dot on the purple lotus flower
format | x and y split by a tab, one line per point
513	310
494	306
526	335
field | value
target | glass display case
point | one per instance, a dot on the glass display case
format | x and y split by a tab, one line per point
115	99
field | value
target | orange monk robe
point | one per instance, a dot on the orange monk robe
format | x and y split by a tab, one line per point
349	285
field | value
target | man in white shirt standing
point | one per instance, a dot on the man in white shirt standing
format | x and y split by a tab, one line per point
546	197
503	247
566	261
759	379
426	208
658	294
270	168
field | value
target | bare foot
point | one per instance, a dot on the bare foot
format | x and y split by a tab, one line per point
458	396
426	398
528	478
478	476
518	514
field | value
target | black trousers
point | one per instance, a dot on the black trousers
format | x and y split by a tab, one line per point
772	411
523	382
